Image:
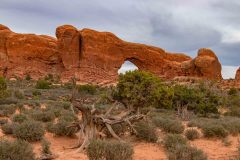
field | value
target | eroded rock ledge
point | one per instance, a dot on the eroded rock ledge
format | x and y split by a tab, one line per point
94	57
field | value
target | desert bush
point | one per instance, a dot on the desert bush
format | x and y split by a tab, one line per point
169	125
146	131
61	128
7	110
139	88
87	89
16	150
36	93
109	150
43	116
18	94
3	121
232	92
29	131
214	130
28	77
8	128
173	140
45	147
192	134
42	84
3	84
185	152
20	118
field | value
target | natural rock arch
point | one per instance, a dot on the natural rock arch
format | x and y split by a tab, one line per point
127	65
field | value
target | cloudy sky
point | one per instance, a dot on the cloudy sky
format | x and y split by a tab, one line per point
175	25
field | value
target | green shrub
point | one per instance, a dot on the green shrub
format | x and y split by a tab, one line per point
109	150
169	125
19	118
142	89
7	110
28	77
185	152
8	128
3	84
61	129
36	93
232	92
29	131
88	89
16	150
43	116
18	94
3	121
173	140
45	147
214	130
146	131
42	84
192	134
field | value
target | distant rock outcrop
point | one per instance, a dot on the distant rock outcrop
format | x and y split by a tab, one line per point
94	57
237	78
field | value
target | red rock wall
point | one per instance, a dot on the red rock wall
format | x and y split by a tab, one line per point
94	57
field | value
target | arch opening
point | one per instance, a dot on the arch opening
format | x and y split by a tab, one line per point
127	66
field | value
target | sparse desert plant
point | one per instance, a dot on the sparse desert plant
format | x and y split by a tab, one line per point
3	121
8	128
18	94
45	147
7	110
192	134
42	84
185	152
109	150
19	118
169	125
214	130
61	128
29	131
87	89
36	93
28	77
146	131
173	140
3	84
16	150
43	116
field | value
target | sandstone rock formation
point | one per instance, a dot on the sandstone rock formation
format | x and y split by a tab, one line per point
94	57
237	78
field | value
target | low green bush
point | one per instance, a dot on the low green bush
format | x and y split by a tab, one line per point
8	128
36	93
61	129
3	121
18	94
45	147
7	110
16	150
29	131
43	116
192	134
185	152
173	140
169	125
214	130
19	118
42	84
87	89
146	131
28	77
3	84
109	150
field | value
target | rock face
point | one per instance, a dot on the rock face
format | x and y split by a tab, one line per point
94	57
237	78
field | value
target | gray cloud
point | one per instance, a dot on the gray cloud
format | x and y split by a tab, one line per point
175	25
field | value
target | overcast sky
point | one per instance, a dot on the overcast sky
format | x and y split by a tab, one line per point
175	25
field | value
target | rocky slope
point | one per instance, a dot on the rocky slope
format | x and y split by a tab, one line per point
94	57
